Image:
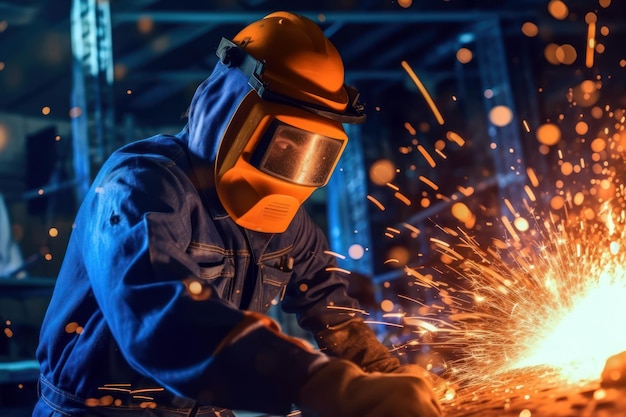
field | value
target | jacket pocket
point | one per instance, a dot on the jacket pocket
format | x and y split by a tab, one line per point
275	275
214	266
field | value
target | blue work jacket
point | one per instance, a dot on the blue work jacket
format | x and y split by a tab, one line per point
157	275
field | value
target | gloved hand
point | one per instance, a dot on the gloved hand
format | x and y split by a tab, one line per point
356	341
614	372
440	385
341	389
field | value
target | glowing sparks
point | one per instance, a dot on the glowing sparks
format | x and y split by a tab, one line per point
424	280
551	306
591	40
350	309
532	177
335	254
384	323
428	182
466	191
583	335
543	299
410	128
377	203
402	198
441	154
426	156
455	137
392	186
412	228
337	269
530	193
422	89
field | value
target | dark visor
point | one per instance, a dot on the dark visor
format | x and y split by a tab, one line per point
295	155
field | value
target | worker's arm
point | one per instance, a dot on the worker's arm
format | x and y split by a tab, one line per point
170	325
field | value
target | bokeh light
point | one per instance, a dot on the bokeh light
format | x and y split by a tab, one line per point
558	9
4	136
530	29
382	172
356	251
464	55
500	115
548	134
145	24
565	54
400	254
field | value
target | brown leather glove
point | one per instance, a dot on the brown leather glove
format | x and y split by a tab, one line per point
614	372
442	387
355	341
341	389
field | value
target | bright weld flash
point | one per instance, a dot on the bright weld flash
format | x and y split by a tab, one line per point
554	302
578	340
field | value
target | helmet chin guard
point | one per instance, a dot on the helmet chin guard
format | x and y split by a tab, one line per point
271	158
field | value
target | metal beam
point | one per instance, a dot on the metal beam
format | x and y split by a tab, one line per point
186	76
364	42
175	38
17	15
92	96
491	56
348	219
322	17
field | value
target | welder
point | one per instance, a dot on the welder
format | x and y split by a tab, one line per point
184	241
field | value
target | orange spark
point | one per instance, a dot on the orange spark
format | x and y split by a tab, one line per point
455	137
392	186
591	44
376	202
409	127
424	92
336	269
356	310
426	156
335	254
532	177
402	198
428	182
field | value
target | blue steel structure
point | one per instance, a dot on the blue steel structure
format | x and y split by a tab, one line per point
510	170
348	220
92	111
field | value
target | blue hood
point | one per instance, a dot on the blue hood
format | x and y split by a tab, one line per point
211	109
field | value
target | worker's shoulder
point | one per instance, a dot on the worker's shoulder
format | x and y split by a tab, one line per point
165	150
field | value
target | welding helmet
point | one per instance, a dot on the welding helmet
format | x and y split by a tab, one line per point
286	136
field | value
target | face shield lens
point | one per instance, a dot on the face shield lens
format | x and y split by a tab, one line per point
296	155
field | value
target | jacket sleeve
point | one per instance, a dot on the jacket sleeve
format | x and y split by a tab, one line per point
169	324
317	291
318	295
